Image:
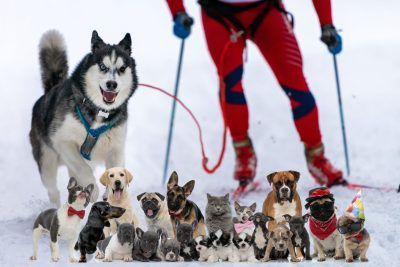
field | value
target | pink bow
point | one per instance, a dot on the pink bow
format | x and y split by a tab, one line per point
240	227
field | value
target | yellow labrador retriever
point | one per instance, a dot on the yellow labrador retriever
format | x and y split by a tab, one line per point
116	180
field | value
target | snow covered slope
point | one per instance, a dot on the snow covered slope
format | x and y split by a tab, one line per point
369	67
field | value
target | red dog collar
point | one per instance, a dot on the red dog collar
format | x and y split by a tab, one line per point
79	213
323	229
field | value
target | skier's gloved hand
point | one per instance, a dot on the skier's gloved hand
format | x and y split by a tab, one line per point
331	38
182	25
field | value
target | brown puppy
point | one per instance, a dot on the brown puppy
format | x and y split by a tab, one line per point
283	199
356	238
280	244
117	180
180	208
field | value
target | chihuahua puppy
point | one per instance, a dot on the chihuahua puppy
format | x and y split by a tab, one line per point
260	234
244	247
204	248
300	237
356	238
280	244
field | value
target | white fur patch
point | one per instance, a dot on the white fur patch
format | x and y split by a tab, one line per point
286	208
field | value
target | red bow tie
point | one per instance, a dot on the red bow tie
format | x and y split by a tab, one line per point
79	213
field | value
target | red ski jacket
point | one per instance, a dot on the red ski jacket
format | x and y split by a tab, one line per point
323	8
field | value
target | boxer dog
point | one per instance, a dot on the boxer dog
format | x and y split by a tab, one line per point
283	199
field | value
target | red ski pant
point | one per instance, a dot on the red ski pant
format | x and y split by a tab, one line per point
277	43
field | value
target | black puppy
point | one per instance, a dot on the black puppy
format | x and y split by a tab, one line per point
300	236
260	234
92	233
184	235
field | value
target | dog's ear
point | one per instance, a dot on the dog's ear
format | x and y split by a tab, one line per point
72	183
269	218
173	180
90	188
226	197
96	41
296	175
270	177
164	238
289	233
306	217
237	205
270	234
253	207
126	43
160	196
287	217
104	178
139	233
129	176
139	197
188	187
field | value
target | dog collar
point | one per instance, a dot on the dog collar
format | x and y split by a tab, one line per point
71	212
92	134
359	237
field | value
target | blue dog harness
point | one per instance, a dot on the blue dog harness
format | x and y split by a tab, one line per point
92	134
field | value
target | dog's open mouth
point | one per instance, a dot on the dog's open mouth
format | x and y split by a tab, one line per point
109	96
151	213
117	193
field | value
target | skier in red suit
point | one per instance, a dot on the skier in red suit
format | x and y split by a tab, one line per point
266	23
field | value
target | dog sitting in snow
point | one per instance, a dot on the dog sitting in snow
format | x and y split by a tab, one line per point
327	239
118	246
169	249
146	245
117	180
184	235
156	213
280	244
260	234
63	223
351	226
205	249
244	247
222	244
300	238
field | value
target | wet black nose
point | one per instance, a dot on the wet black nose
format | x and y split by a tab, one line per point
281	245
111	85
243	245
118	183
285	190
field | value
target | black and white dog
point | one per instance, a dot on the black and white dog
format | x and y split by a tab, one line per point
81	120
63	223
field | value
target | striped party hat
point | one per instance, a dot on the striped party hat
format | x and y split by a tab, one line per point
356	208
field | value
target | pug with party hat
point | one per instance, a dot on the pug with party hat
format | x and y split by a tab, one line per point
351	226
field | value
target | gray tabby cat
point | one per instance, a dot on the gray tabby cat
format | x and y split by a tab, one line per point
219	214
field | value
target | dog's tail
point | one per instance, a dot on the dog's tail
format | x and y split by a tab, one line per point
53	59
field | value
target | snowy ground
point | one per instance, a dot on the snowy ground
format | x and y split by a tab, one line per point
369	65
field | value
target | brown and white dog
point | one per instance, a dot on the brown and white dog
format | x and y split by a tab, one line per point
283	199
117	180
180	208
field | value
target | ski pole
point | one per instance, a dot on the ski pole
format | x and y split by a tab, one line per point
172	118
346	154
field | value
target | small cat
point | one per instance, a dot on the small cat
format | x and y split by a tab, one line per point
242	222
219	214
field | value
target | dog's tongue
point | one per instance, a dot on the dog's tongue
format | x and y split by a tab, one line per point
109	96
117	194
149	212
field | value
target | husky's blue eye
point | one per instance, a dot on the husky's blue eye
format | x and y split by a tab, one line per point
103	67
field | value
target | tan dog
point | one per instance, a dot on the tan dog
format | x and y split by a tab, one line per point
280	239
356	238
117	180
283	199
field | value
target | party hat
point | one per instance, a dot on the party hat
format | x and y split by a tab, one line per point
356	208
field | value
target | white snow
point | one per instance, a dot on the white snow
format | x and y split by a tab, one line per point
369	68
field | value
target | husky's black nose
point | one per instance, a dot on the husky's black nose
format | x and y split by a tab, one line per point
111	85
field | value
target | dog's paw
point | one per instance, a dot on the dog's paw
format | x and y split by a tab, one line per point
308	258
321	259
72	260
33	258
338	257
363	259
349	260
264	260
128	258
294	259
55	258
107	259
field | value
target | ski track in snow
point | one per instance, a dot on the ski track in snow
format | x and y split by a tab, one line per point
369	68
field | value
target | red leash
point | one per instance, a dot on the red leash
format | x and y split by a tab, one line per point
222	91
